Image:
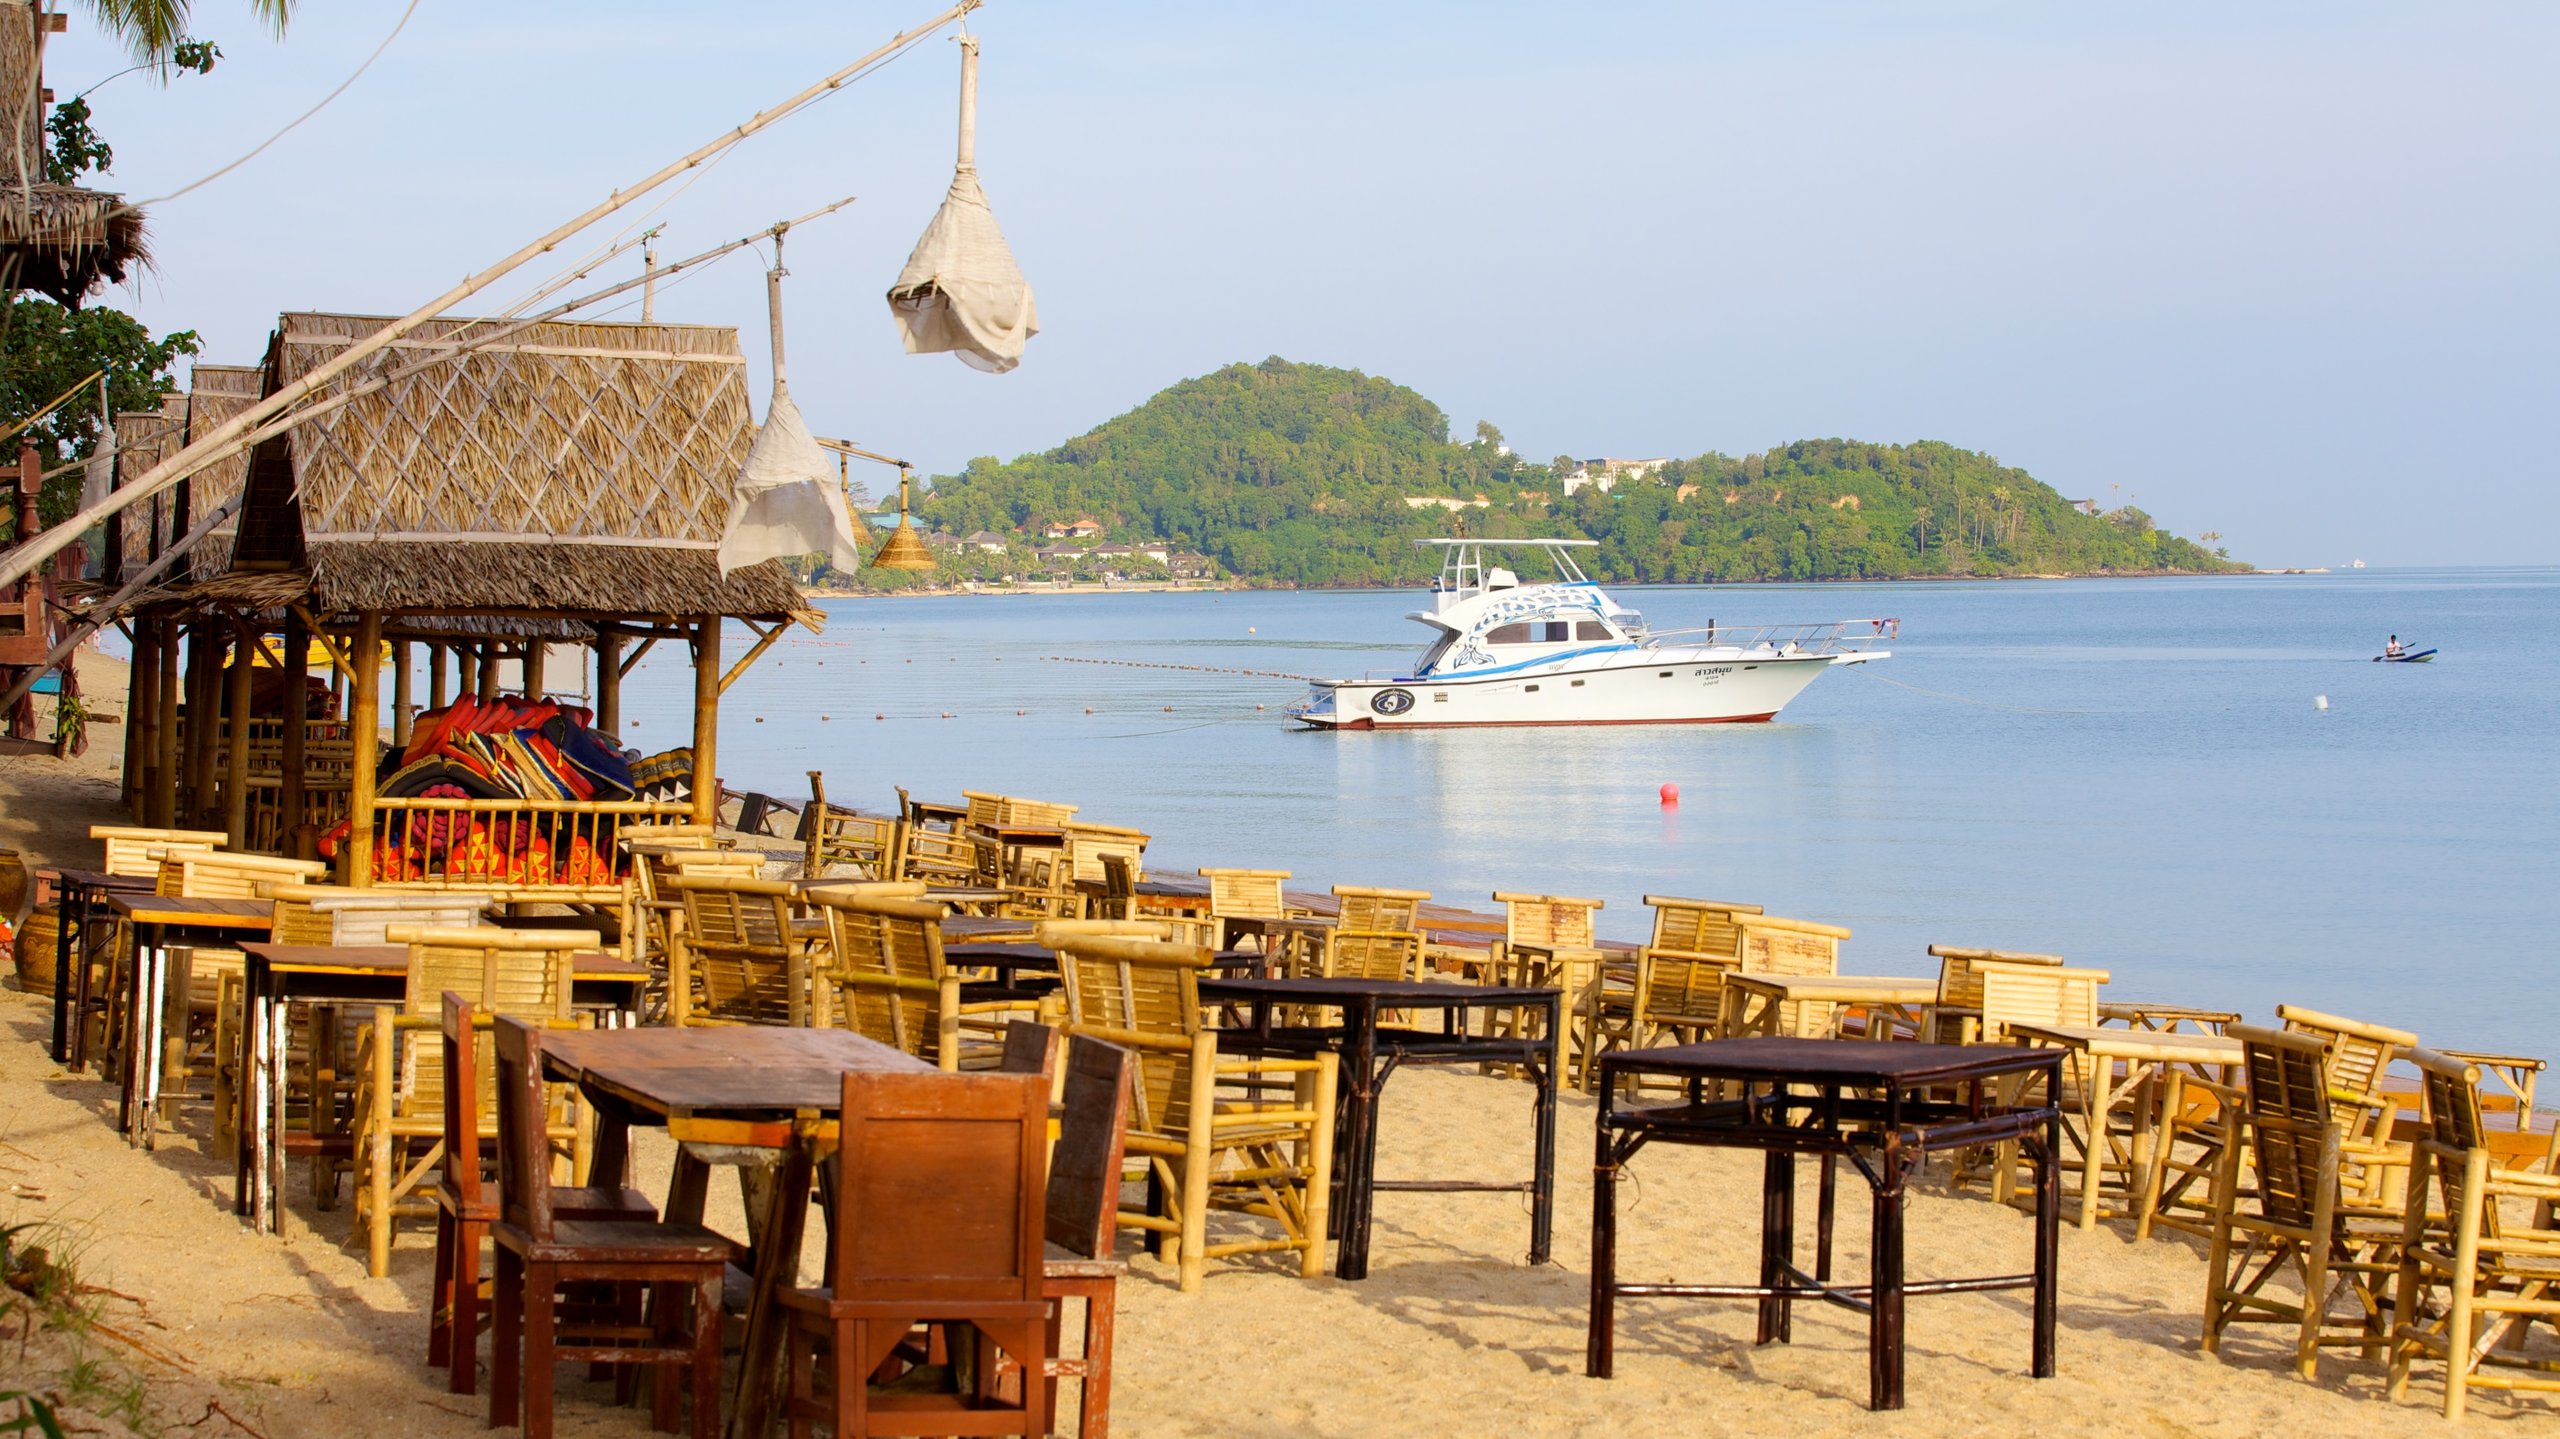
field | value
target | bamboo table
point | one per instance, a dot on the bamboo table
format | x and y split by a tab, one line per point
279	976
2151	1060
1862	1099
1371	1052
1801	1006
153	917
989	929
2140	1014
78	894
755	1086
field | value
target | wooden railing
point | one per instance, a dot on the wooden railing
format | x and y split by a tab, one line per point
519	848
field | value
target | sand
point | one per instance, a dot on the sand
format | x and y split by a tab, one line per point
1451	1334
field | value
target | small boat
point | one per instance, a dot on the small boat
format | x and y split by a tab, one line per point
2405	657
1562	652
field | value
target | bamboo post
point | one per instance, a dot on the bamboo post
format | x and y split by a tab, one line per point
294	670
163	799
204	715
488	685
816	819
533	658
141	716
366	727
466	670
235	776
404	706
609	682
706	720
435	676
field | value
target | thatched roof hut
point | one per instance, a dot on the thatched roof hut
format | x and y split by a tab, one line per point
58	240
143	439
566	470
219	394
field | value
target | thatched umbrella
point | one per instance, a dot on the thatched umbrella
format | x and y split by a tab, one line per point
961	290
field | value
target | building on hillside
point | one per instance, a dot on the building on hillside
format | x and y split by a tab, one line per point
1187	565
1604	473
1451	503
986	542
1083	527
1067	555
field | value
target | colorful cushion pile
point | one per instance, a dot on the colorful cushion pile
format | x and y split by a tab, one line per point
510	749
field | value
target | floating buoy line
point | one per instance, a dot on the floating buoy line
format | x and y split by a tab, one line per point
1190	669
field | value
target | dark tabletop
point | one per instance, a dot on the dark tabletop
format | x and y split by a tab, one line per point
742	1070
394	959
966	928
1417	994
101	879
207	913
1846	1062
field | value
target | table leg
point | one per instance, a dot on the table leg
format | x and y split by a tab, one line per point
1777	1246
279	1086
63	916
2164	1140
2143	1156
1542	1196
1599	1358
1355	1192
245	1102
1829	1189
253	1130
1884	1320
777	1267
2048	1245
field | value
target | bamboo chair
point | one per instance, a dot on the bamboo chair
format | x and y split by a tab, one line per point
939	1204
1258	1154
2359	1054
661	909
2044	994
1083	1217
541	1249
837	836
1771	944
1549	941
466	1205
929	850
1378	934
1956	1017
2475	1274
1675	987
400	1075
1243	901
1089	845
204	1018
2298	1218
887	980
739	961
135	850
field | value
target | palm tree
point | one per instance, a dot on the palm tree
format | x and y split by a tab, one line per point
152	28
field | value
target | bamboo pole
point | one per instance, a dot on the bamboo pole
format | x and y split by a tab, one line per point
295	785
706	720
403	700
489	670
204	709
533	657
23	561
164	766
466	669
436	692
366	725
609	682
235	776
141	710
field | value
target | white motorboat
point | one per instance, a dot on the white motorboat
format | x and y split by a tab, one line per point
1563	652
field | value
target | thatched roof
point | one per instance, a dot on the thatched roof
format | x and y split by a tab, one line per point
221	392
143	439
57	240
581	469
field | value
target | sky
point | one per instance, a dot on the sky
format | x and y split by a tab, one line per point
2280	272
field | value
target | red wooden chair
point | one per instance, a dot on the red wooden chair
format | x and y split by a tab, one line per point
539	1250
466	1206
938	1216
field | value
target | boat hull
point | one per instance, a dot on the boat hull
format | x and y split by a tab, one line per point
1658	688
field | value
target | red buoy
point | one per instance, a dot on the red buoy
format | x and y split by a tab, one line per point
1671	796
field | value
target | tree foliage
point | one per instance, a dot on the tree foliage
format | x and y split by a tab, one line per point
1296	474
46	349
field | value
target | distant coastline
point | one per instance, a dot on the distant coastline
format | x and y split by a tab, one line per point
1244	587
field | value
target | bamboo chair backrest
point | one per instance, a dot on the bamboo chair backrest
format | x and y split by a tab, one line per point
2035	994
136	850
1090	846
1707	927
1771	945
1085	1164
1960	985
2293	1141
2455	1130
941	1190
1549	920
371	918
205	874
1373	954
984	808
2359	1054
1247	893
1366	907
1119	886
496	971
738	939
888	967
296	922
1145	994
1036	811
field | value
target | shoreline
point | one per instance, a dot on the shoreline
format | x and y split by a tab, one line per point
1243	587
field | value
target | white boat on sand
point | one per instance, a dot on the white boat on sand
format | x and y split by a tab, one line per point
1563	652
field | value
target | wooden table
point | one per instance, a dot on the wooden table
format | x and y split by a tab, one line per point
279	976
1371	1052
2142	1014
2151	1059
154	917
1802	1005
78	895
751	1085
1862	1099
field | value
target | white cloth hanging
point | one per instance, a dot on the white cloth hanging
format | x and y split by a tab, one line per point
961	292
787	503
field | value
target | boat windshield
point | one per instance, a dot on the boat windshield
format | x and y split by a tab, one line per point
1432	655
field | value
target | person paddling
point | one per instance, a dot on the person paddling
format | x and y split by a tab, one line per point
2392	648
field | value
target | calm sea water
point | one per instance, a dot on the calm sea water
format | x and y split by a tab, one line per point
2130	773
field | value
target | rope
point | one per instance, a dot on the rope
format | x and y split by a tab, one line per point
1962	700
1193	669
